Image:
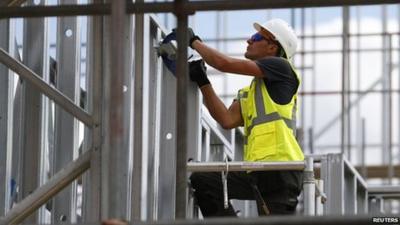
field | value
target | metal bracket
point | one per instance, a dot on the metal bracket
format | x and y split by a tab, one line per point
224	176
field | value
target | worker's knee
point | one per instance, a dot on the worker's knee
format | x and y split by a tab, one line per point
282	209
196	179
201	180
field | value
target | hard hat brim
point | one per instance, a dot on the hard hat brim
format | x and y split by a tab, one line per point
260	27
257	26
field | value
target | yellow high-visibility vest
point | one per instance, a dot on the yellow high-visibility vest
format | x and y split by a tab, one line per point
269	128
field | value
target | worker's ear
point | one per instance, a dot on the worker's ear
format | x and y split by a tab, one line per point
273	48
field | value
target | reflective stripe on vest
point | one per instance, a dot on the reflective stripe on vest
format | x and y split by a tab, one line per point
265	118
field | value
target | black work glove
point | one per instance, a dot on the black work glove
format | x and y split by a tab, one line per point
191	36
197	72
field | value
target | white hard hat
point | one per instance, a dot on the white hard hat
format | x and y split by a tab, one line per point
283	33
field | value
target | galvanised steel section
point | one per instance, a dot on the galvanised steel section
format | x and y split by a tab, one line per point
362	198
45	192
17	134
346	190
136	185
168	140
218	135
204	153
66	126
376	205
91	187
153	65
34	131
128	92
7	81
332	172
356	199
350	192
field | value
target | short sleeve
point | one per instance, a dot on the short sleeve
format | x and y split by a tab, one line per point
279	78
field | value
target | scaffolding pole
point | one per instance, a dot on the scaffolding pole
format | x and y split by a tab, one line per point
244	166
181	111
345	100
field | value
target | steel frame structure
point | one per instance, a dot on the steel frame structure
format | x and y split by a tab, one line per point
112	69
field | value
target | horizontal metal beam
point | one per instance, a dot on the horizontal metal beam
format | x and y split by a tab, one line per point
393	189
386	191
187	7
244	166
41	195
54	94
379	171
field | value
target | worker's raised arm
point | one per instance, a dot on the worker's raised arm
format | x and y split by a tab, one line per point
228	118
226	63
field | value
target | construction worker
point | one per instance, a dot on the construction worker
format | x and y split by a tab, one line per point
266	109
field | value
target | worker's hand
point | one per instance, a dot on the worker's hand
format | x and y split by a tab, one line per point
191	36
197	72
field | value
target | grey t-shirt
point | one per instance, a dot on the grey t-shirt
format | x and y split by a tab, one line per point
279	78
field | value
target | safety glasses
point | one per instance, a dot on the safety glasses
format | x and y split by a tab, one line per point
258	37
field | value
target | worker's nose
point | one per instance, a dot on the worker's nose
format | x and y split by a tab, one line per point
249	41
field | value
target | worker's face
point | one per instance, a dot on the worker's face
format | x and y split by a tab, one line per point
260	45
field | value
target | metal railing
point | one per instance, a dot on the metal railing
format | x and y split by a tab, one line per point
307	166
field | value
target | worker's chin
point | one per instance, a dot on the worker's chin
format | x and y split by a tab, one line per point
248	56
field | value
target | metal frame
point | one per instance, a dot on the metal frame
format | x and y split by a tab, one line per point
346	190
108	163
34	133
66	127
7	81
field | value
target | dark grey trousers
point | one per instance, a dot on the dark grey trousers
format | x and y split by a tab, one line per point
276	188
